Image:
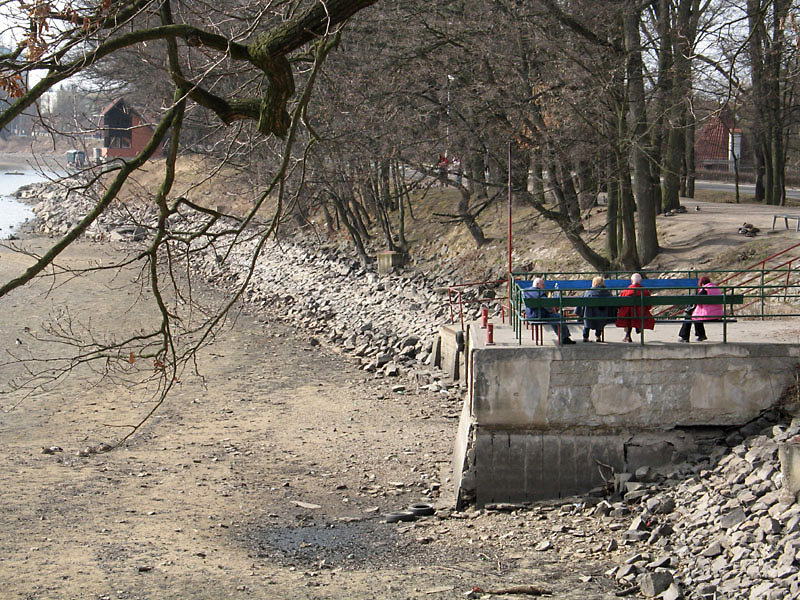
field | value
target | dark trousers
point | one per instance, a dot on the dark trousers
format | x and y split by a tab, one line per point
598	331
686	329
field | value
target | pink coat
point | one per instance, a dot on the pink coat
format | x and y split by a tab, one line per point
708	312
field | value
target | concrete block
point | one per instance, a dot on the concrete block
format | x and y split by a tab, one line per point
789	454
388	261
451	357
543	419
520	466
650	387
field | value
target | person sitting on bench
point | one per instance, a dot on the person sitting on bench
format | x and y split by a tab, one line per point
596	317
702	312
630	317
543	314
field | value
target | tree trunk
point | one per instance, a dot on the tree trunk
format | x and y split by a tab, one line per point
663	90
587	193
690	167
646	210
612	215
686	18
628	257
673	160
468	219
537	174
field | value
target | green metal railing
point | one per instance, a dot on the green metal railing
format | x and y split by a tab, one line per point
766	293
760	286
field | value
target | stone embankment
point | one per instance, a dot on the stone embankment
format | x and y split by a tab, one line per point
722	529
716	527
389	323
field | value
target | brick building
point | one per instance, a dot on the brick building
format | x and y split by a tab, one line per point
124	131
718	143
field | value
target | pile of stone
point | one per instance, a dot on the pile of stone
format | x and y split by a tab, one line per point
730	530
389	323
60	206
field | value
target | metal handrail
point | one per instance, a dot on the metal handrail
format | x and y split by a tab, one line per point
763	292
457	289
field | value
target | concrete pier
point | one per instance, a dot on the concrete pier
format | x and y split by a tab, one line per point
552	421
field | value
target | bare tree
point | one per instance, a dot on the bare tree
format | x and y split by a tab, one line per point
255	75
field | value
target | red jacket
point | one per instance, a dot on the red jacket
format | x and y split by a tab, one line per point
631	316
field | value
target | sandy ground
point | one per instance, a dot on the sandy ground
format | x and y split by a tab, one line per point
204	502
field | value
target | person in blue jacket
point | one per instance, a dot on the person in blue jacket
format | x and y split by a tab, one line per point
596	317
544	314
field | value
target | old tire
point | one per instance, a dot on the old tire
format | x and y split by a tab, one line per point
422	509
401	515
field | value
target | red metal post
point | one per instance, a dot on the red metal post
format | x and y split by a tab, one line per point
484	317
461	308
510	280
489	334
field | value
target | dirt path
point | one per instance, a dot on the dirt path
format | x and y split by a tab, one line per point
204	502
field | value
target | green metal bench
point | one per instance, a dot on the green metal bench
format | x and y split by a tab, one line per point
684	301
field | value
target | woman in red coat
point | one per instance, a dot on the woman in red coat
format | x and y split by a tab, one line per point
630	317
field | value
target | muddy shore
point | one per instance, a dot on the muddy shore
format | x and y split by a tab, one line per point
266	477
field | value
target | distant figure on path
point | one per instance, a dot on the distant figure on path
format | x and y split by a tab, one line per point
442	166
631	317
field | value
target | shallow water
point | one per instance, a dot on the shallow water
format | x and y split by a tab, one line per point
13	213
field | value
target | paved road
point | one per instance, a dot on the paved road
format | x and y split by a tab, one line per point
744	188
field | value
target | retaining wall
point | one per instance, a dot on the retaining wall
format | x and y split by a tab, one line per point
546	421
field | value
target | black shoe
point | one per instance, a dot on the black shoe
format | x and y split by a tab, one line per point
598	339
585	338
701	339
683	340
568	341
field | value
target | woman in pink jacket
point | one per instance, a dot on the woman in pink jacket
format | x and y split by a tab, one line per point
702	312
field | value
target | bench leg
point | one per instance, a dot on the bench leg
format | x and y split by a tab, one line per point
536	334
774	218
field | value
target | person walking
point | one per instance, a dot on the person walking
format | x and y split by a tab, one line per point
701	312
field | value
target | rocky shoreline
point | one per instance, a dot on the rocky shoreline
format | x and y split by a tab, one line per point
389	323
718	526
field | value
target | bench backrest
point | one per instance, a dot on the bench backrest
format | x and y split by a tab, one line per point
611	284
617	301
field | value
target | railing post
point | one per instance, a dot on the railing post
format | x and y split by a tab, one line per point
786	287
641	317
724	316
450	301
763	305
461	308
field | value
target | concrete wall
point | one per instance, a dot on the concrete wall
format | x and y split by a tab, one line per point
538	420
616	385
451	359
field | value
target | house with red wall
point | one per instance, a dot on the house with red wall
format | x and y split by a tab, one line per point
720	144
124	131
